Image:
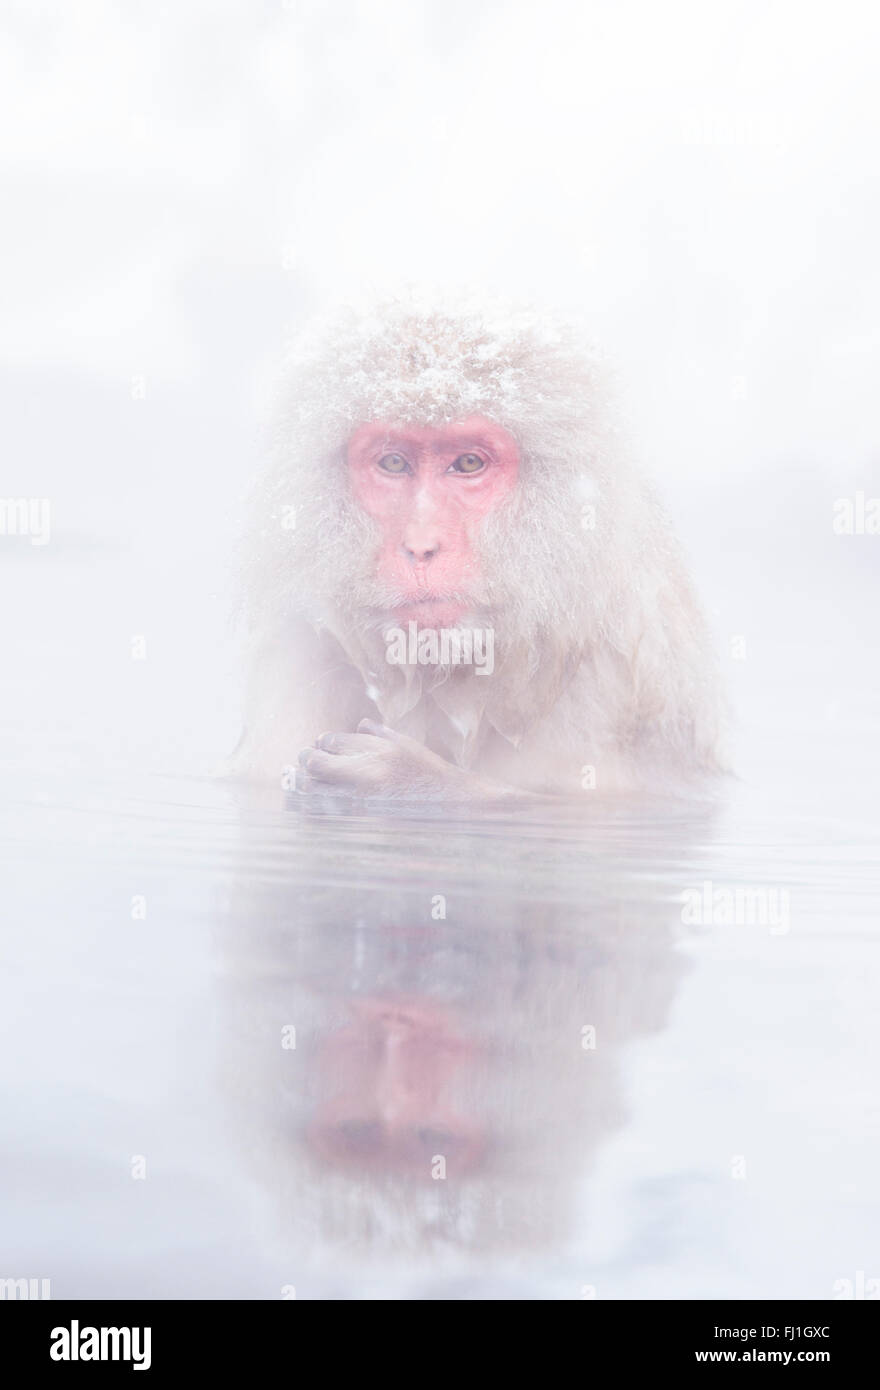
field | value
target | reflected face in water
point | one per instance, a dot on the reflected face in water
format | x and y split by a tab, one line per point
447	1049
392	1092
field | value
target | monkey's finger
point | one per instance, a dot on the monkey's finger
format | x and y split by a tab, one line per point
313	764
370	726
344	743
316	763
361	769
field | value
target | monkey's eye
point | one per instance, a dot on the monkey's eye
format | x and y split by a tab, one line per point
468	463
393	463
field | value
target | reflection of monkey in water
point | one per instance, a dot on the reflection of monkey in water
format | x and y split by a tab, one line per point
451	1080
447	486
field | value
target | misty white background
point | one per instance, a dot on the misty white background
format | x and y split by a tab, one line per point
182	184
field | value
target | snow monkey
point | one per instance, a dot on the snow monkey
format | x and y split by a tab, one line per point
457	585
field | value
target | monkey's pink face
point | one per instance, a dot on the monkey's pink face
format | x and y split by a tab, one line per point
391	1096
430	488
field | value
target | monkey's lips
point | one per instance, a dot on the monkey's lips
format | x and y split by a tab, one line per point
430	610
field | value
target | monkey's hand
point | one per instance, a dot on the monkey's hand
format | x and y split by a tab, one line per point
377	762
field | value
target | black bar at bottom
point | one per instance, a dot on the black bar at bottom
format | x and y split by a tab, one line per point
225	1337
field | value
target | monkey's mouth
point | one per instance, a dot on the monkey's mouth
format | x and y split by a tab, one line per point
435	610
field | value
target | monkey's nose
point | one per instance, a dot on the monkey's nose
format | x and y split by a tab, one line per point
420	554
421	541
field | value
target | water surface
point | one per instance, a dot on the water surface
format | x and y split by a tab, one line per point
514	1070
